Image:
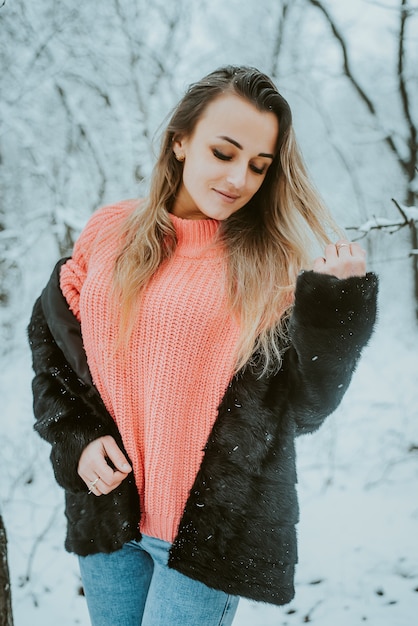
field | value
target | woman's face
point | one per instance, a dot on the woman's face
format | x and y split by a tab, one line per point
225	159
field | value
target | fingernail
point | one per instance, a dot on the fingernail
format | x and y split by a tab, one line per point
126	467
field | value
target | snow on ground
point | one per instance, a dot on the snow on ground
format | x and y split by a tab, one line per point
358	539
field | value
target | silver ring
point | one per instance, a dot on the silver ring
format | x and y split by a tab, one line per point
93	484
342	245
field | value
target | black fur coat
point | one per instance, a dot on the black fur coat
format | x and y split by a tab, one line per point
237	532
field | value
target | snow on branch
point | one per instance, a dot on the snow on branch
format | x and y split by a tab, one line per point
409	217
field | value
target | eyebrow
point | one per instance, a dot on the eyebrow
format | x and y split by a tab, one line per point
238	145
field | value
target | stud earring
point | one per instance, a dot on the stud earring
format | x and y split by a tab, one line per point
180	157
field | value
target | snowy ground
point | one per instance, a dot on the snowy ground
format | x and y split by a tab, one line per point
358	489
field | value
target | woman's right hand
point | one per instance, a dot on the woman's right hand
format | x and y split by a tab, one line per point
95	470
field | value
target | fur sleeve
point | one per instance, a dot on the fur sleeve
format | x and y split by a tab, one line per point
331	323
69	413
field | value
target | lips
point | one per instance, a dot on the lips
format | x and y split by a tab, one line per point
227	196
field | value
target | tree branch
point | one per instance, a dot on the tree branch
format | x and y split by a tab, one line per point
409	217
279	38
413	149
350	75
75	120
400	209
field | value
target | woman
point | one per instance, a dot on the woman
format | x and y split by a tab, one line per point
205	350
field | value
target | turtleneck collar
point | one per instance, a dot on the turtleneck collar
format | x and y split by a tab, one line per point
196	238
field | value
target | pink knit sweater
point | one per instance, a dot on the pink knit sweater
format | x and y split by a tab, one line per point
164	395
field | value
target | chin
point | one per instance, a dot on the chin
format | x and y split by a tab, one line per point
219	214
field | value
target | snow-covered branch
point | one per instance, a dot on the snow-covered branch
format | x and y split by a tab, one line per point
409	217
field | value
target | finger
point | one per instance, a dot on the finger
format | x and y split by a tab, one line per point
343	248
331	253
95	491
104	470
112	482
106	488
109	476
93	486
319	265
99	487
93	482
93	463
115	454
357	250
100	458
353	259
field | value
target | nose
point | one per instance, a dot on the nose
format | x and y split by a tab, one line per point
237	175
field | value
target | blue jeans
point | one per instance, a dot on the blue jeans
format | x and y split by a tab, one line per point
135	587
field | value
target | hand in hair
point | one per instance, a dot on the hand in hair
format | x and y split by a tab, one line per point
343	259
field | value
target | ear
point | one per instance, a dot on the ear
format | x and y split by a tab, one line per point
179	145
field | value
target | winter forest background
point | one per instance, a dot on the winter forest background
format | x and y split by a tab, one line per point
84	89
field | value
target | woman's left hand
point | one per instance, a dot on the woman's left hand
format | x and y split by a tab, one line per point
343	259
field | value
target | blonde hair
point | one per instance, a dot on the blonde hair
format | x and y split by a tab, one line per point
267	242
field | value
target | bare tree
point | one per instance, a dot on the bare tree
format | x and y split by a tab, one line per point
82	94
403	147
279	37
6	617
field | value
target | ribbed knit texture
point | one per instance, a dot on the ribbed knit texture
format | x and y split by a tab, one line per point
164	394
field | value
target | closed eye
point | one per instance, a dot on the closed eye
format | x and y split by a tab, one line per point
220	155
224	157
258	170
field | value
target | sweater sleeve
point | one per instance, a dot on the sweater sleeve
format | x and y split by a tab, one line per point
105	220
74	272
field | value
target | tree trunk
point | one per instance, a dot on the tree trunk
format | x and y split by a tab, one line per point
6	618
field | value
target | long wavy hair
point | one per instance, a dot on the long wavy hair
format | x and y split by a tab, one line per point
267	242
